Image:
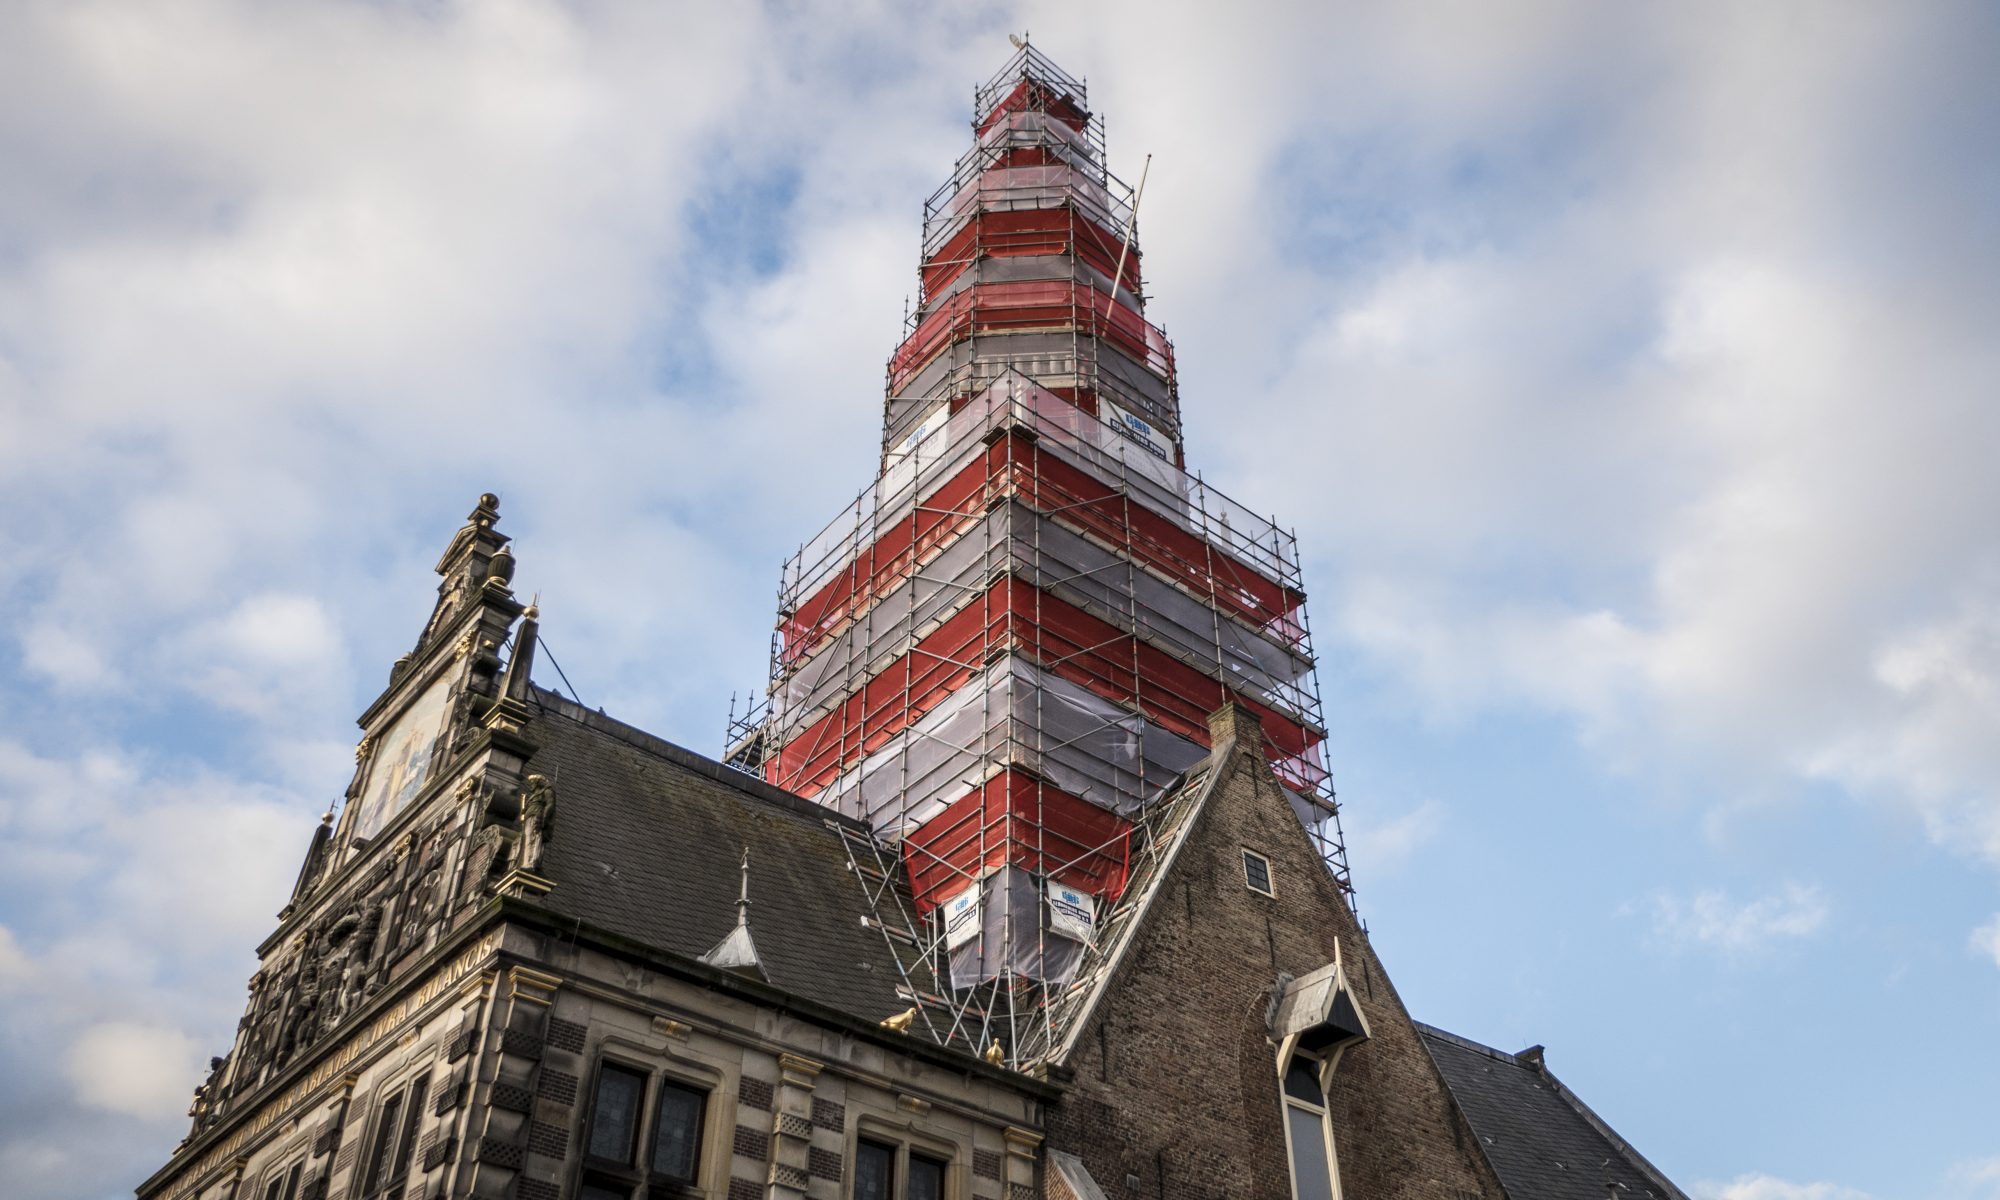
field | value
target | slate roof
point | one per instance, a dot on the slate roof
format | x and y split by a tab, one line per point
647	837
1543	1142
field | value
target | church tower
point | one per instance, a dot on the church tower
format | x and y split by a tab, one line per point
1007	897
1005	650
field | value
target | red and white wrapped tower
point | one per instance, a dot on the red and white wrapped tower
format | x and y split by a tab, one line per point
1005	650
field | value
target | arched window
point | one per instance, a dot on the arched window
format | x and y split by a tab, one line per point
1308	1134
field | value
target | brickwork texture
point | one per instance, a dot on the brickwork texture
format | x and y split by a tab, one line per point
1175	1080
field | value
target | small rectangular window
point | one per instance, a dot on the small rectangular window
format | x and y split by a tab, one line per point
677	1131
1257	872
614	1114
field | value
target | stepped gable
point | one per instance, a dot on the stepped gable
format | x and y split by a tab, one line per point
647	844
1169	1079
1544	1142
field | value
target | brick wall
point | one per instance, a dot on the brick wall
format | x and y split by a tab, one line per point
1175	1086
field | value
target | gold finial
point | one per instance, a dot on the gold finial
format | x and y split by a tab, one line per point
994	1054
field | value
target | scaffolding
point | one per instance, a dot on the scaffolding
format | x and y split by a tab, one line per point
1020	249
1001	657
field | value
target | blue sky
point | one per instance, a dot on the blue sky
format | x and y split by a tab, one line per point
1628	372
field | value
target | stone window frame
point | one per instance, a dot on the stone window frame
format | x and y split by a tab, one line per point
1325	1064
1270	887
409	1117
291	1162
906	1137
653	1065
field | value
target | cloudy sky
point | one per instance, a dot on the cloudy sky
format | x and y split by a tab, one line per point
1629	372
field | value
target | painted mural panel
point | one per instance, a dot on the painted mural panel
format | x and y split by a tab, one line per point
404	761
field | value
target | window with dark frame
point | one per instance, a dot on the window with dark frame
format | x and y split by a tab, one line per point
395	1141
284	1184
887	1171
628	1146
413	1117
614	1114
1257	872
677	1131
926	1178
874	1171
386	1124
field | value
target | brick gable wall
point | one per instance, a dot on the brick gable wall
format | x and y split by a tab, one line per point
1174	1083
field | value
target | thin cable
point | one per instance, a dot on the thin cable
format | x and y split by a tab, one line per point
560	672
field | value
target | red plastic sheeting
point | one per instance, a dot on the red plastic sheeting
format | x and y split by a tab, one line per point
1016	819
1027	232
1015	466
1013	615
1031	304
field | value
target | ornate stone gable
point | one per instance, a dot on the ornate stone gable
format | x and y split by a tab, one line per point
428	828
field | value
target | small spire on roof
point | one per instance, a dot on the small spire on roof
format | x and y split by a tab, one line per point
738	951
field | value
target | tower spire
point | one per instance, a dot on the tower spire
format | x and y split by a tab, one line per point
1007	649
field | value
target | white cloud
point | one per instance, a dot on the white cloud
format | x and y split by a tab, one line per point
1386	845
1976	1178
1986	939
1712	919
1645	433
1768	1187
15	967
63	658
1628	367
137	1070
273	653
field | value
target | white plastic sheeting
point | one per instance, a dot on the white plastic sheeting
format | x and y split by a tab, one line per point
1067	359
1016	934
1012	538
1019	715
1070	434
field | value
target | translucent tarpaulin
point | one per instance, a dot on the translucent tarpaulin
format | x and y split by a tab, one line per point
1014	539
1017	715
1067	359
1014	268
1016	934
1073	436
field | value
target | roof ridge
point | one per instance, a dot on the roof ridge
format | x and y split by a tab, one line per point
1562	1092
1192	793
598	721
1604	1130
1466	1043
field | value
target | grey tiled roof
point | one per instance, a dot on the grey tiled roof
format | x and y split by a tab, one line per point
1543	1142
647	838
